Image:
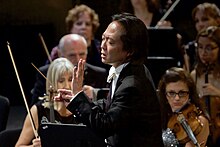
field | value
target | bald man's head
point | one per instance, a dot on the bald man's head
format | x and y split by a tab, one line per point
73	47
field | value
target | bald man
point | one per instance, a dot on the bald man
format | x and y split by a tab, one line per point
73	47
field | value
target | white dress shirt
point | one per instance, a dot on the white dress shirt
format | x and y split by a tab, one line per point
113	75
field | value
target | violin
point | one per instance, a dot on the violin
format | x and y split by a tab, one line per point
51	104
190	113
212	104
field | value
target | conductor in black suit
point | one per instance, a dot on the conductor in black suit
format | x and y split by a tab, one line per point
130	116
72	47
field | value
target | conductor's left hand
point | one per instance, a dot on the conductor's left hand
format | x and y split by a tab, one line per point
77	84
78	76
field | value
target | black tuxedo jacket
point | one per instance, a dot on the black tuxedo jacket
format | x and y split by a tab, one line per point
93	76
133	118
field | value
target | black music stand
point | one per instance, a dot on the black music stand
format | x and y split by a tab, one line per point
68	135
163	51
163	42
158	65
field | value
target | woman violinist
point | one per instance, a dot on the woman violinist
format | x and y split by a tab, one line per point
207	76
177	93
59	75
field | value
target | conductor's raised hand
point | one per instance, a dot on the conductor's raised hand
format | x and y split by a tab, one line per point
78	76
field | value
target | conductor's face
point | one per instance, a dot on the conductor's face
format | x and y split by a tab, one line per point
112	46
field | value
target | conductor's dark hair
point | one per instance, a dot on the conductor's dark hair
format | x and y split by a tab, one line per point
135	39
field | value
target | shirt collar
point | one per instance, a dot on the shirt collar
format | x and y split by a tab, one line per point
114	72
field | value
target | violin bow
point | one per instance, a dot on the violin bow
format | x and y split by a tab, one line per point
207	98
51	91
41	73
45	47
168	11
186	61
22	91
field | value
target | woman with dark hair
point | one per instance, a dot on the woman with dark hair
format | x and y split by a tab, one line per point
178	95
149	11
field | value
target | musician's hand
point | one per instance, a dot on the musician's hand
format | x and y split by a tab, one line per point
89	91
210	90
36	142
162	24
78	76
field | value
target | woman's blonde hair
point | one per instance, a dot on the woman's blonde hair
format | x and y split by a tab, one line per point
56	69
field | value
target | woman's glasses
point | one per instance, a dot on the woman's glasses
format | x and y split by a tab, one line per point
181	94
209	32
207	48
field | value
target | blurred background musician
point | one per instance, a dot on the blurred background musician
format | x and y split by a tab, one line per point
149	11
206	75
203	15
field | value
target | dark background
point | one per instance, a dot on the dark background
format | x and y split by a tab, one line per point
21	21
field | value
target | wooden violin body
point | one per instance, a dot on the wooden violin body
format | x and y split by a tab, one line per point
212	104
191	113
214	112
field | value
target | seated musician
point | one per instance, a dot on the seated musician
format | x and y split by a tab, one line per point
59	75
206	75
203	15
180	104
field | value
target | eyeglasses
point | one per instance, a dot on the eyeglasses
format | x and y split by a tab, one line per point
207	48
181	94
